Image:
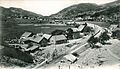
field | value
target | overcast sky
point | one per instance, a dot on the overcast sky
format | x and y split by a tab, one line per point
46	7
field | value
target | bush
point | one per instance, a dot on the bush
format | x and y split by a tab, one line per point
93	40
103	37
58	32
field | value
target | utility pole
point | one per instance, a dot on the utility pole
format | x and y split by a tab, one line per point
59	67
69	66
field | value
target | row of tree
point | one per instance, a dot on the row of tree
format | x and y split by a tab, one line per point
101	39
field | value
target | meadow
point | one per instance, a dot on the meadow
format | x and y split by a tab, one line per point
17	31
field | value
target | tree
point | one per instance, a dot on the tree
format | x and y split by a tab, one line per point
103	37
92	41
58	32
116	34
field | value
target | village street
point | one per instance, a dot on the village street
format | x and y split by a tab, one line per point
82	48
90	58
79	44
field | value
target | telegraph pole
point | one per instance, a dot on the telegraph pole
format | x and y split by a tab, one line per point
69	66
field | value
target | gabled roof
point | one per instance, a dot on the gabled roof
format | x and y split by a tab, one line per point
113	26
58	37
36	38
81	27
116	29
47	36
70	57
75	29
26	34
31	48
27	49
40	34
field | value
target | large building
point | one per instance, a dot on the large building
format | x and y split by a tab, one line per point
58	39
25	36
74	33
35	39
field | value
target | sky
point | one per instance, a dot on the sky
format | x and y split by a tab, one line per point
46	7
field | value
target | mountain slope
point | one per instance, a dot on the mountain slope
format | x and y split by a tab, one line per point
109	11
75	9
16	12
13	16
89	9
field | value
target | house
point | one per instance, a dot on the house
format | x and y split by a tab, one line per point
113	27
39	34
58	39
82	27
32	49
35	39
27	48
70	58
74	33
89	18
119	24
47	36
79	19
25	36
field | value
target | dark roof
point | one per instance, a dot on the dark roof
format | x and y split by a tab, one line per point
36	38
117	29
74	29
47	36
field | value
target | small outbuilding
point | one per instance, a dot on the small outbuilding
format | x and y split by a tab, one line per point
70	58
25	36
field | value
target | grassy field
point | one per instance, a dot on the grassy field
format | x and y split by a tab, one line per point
17	31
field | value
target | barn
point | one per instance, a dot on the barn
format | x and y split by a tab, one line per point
58	39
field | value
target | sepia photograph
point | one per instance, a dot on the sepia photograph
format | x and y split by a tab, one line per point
59	34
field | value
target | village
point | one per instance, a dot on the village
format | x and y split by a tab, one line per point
59	34
41	48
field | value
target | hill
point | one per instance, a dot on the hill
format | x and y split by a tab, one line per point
11	16
75	10
109	11
16	12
